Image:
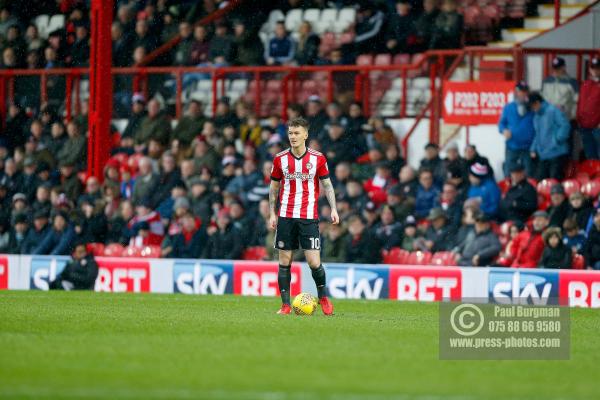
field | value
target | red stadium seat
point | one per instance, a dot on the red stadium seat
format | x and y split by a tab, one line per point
590	167
578	262
582	178
97	249
544	187
401	59
419	258
444	259
151	251
591	189
383	59
132	251
504	185
114	250
255	253
571	186
364	59
395	255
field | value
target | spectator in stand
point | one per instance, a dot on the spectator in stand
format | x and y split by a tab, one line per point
433	162
151	219
221	50
451	205
168	179
80	273
144	38
591	249
138	113
551	143
37	233
484	247
439	236
153	126
529	244
248	50
484	188
425	24
201	46
401	31
388	231
91	225
356	120
401	205
521	199
334	245
307	51
80	50
560	90
356	197
183	50
410	234
454	162
122	46
281	48
472	156
361	246
17	234
192	239
70	184
559	206
369	36
75	148
224	240
408	181
7	20
556	255
574	237
190	125
516	124
377	186
448	28
588	117
508	254
337	146
58	240
145	183
466	231
427	194
315	115
580	209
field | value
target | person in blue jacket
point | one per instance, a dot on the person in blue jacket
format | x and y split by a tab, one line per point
551	143
282	48
484	188
516	125
58	240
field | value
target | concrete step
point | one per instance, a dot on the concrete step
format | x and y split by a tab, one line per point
519	34
541	22
566	10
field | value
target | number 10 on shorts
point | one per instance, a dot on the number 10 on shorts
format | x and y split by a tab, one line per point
315	243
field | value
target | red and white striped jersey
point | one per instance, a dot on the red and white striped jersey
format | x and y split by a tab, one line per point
299	191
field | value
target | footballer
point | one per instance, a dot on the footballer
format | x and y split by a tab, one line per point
295	183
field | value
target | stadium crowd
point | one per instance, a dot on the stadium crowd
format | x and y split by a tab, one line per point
200	189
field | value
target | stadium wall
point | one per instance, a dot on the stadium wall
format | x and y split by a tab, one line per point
259	278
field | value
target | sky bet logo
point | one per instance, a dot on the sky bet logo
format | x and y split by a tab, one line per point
523	287
194	277
356	283
45	270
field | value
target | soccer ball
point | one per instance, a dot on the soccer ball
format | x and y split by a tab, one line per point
304	304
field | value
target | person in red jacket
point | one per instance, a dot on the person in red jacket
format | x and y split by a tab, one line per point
529	244
376	187
588	117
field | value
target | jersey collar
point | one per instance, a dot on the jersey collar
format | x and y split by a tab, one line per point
301	157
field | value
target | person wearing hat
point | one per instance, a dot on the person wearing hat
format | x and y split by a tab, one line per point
560	89
516	125
550	145
556	254
433	162
559	206
19	205
520	201
190	242
439	236
528	245
588	117
401	205
37	232
144	213
591	249
58	239
484	188
484	247
80	273
138	113
411	234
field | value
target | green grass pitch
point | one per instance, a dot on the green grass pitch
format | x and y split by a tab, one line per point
149	346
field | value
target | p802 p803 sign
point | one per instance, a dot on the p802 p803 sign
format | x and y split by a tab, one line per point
474	103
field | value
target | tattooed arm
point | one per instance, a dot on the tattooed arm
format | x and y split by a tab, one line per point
330	194
273	195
